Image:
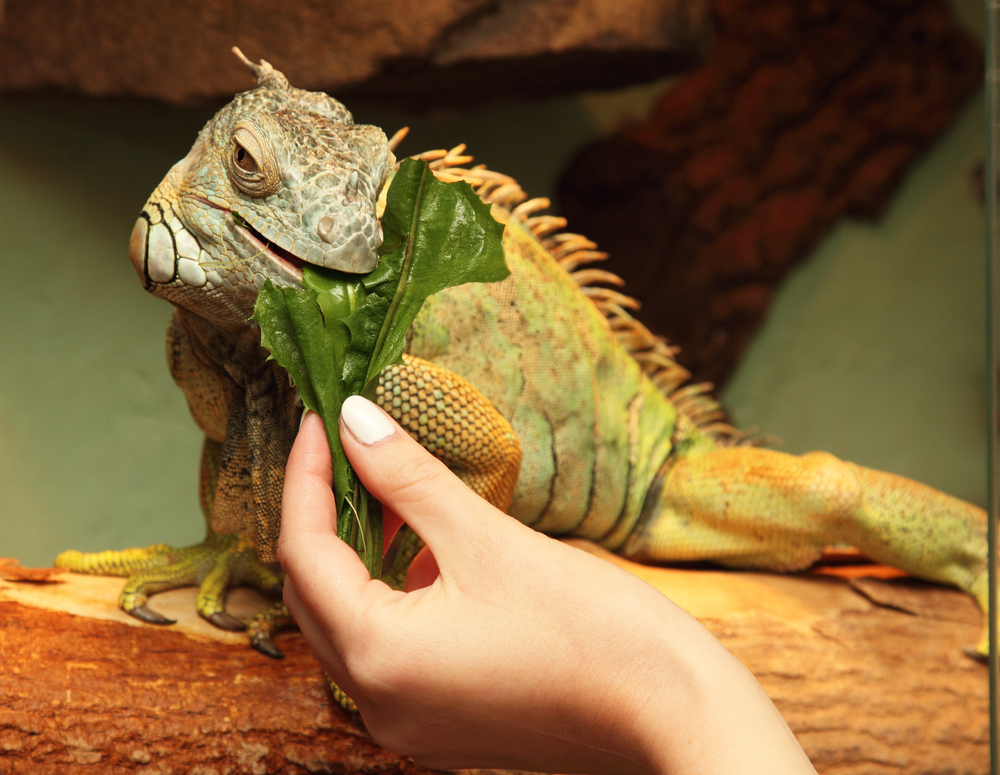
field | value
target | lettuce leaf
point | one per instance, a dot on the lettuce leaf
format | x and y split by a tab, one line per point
335	335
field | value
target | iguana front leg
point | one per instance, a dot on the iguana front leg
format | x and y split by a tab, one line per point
437	407
239	491
216	564
456	423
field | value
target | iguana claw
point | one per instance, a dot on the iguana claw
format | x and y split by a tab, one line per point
265	624
976	653
149	616
224	621
262	642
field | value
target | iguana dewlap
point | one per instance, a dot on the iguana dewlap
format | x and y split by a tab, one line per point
541	391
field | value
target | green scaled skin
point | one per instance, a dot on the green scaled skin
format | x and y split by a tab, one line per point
540	391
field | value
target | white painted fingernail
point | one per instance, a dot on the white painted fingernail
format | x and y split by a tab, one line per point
365	420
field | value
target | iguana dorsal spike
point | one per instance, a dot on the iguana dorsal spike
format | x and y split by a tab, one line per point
265	73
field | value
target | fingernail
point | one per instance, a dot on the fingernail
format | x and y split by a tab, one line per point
365	420
302	419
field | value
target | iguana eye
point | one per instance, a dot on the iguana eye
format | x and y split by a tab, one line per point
243	158
252	163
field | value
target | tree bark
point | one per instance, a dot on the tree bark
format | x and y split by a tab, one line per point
86	689
802	114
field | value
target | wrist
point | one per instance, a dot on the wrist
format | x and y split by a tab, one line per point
698	709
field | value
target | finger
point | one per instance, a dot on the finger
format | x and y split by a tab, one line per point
323	567
413	483
422	572
308	502
315	634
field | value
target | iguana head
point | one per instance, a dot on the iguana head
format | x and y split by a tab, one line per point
278	178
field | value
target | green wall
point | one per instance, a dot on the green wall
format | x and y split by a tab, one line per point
96	449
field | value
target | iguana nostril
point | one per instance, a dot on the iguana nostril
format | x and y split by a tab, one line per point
325	228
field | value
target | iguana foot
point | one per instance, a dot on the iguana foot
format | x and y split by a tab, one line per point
264	624
219	562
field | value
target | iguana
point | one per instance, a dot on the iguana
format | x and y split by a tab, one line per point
541	391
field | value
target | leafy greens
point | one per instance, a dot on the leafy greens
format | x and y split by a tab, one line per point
337	333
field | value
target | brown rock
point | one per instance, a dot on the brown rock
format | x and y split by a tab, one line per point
439	51
801	114
86	689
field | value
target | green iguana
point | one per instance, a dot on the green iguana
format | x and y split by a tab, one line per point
541	391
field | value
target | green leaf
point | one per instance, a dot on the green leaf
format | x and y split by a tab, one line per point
292	328
277	334
337	333
439	235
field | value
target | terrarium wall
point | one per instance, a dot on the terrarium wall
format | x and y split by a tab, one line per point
872	347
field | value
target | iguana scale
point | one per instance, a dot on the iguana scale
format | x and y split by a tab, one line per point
541	391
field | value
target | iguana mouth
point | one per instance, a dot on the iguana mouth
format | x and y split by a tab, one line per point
286	261
275	251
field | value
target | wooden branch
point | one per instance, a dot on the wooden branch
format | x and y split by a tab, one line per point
86	689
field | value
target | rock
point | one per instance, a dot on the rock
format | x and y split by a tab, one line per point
434	52
802	113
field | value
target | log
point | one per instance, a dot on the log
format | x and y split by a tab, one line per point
86	689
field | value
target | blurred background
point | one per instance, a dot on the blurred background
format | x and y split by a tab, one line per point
794	191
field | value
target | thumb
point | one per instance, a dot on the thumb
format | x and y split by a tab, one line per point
412	483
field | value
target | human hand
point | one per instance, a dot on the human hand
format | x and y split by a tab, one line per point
508	649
